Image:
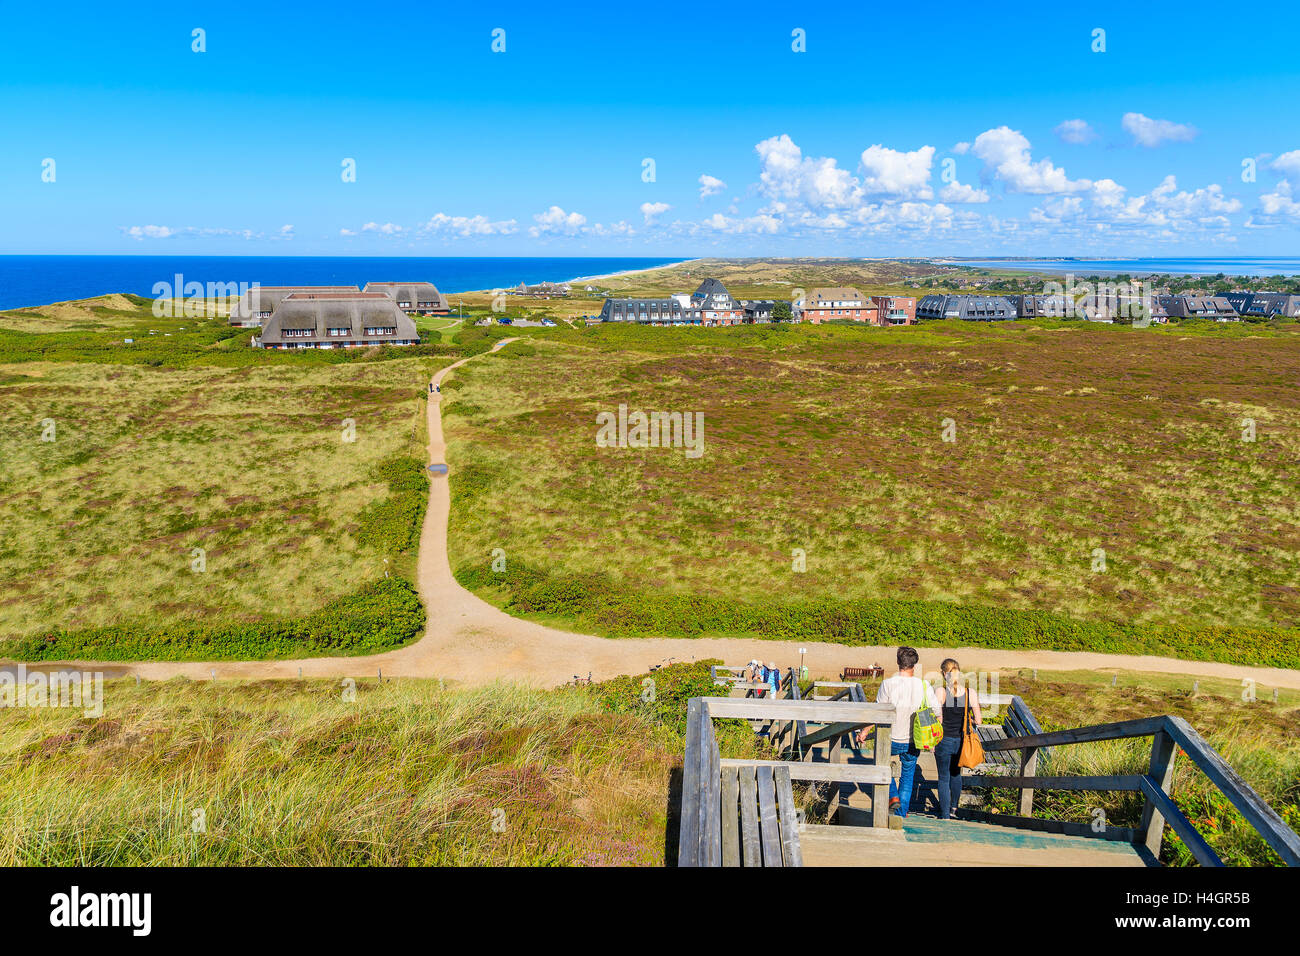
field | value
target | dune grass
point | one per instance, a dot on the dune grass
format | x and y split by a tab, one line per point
415	772
1259	739
290	773
194	493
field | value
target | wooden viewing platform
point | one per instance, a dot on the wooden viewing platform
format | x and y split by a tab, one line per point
745	812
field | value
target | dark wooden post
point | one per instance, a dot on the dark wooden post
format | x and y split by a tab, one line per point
1028	767
1152	827
880	791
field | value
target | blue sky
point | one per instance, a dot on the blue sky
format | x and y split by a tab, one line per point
901	130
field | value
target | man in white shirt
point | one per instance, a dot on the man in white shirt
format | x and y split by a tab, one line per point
908	693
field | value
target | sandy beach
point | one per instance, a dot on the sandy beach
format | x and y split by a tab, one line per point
595	278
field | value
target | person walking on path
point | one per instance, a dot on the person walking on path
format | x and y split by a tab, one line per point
908	693
955	700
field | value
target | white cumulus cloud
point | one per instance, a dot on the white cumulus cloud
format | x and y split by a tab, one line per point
1287	163
962	193
710	186
1005	151
140	233
1075	131
889	172
1152	132
467	227
651	211
556	222
1275	208
818	183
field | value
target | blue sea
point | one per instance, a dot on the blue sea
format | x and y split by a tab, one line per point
40	280
1230	266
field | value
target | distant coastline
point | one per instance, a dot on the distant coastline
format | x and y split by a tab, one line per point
1239	266
33	281
632	272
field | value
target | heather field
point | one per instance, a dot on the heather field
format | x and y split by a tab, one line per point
1098	491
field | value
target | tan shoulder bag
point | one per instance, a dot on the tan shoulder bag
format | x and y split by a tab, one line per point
972	751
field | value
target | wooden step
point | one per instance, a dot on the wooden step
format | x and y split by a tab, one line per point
926	841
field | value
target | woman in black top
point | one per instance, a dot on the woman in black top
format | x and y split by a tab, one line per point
953	699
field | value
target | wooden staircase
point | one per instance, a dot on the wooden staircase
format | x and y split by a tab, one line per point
742	812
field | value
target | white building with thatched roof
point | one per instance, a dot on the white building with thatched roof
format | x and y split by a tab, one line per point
253	309
421	297
328	320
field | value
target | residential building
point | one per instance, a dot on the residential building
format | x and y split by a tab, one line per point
715	305
543	290
671	311
894	310
252	310
1148	309
316	320
710	304
1264	305
1213	307
972	308
1043	306
846	303
418	297
759	310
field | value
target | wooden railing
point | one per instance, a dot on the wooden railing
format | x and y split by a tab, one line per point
708	808
1167	734
709	834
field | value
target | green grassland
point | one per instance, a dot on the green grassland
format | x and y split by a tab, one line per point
288	773
408	772
1070	437
412	772
300	478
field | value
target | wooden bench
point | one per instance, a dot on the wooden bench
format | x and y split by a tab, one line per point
861	673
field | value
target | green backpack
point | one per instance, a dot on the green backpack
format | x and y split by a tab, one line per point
927	730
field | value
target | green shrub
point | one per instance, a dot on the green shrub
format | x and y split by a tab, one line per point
595	600
392	525
379	617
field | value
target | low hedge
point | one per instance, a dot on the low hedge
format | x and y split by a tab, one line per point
379	617
597	601
392	524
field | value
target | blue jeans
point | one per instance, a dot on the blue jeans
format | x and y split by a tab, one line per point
906	754
946	754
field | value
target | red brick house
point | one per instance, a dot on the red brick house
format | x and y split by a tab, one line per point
894	310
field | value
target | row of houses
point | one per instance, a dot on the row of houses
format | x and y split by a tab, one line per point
543	290
848	304
711	304
1106	308
337	316
421	298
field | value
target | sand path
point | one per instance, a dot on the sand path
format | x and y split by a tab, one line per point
470	641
